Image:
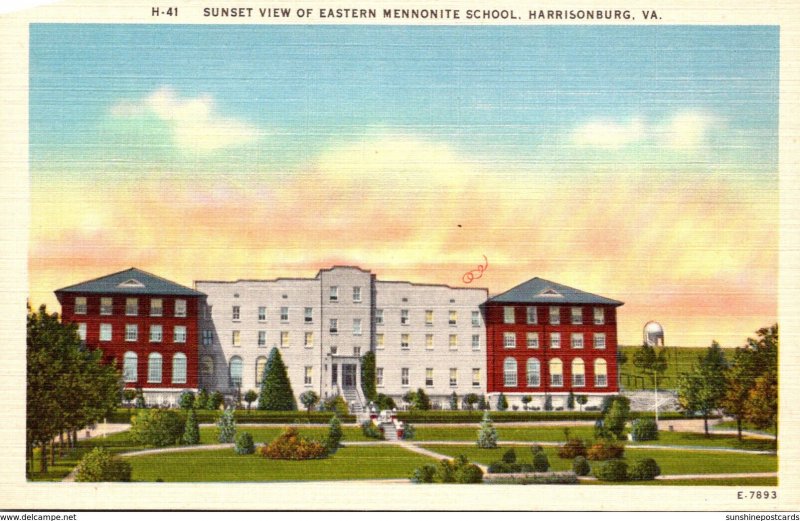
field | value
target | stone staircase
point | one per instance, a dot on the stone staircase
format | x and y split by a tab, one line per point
353	401
389	431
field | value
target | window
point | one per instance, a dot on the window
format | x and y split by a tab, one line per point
577	315
599	316
429	377
236	338
555	340
510	372
333	350
532	340
577	340
600	373
453	342
284	339
235	312
308	339
105	332
578	373
356	351
379	376
180	308
179	335
262	314
154	368
429	341
404	376
556	373
80	305
334	326
379	340
378	317
82	331
130	367
206	368
156	333
131	332
453	377
356	293
179	368
599	340
131	307
555	315
308	374
509	340
453	318
404	317
404	341
156	307
262	339
261	364
309	315
508	314
534	372
428	317
531	315
357	326
284	314
476	319
334	294
106	305
235	371
208	337
476	342
476	377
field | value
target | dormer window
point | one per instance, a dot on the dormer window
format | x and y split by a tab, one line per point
130	283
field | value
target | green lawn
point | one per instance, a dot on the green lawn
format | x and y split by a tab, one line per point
225	465
679	360
739	482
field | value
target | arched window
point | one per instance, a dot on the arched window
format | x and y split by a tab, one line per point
130	367
261	363
600	373
154	368
556	373
179	368
578	373
206	370
534	372
236	371
510	372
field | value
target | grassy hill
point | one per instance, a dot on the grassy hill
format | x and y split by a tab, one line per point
679	360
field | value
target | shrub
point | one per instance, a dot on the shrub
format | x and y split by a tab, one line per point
502	403
501	467
140	403
409	431
371	430
445	472
276	389
454	401
644	429
335	434
244	444
644	470
551	478
548	403
191	431
423	403
615	413
536	448
128	395
468	473
336	404
580	466
605	451
423	474
157	427
99	465
483	405
571	401
611	470
215	401
540	462
186	400
487	435
572	448
510	456
249	397
201	401
290	445
383	402
309	399
227	426
470	400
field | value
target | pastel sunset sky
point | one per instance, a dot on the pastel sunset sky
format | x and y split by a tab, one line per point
640	163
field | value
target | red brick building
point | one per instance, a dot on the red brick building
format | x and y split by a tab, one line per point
546	339
145	324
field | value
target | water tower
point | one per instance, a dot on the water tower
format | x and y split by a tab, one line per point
654	334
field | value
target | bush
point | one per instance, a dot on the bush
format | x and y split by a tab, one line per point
335	404
536	448
644	470
644	429
370	430
510	456
605	451
244	444
459	470
157	427
226	426
215	401
383	402
501	467
550	478
487	435
409	431
468	473
572	448
99	465
335	434
571	401
290	445
423	474
502	403
140	403
201	401
548	403
611	470
186	400
191	431
580	466
540	462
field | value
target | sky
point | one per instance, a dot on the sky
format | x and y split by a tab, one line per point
639	163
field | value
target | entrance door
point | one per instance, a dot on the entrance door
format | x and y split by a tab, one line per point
348	376
334	375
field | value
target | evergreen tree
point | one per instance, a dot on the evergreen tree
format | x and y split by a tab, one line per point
502	403
483	404
571	401
191	433
227	426
548	403
423	402
201	402
335	434
276	390
368	383
454	401
487	434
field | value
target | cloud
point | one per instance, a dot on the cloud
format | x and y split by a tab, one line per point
193	122
607	134
687	129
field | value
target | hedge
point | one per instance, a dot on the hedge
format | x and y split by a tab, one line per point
242	416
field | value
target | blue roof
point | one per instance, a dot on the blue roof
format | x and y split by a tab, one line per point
131	281
541	291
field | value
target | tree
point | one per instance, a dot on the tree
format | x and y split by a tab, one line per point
157	427
483	403
191	432
487	434
128	396
740	379
335	434
548	403
525	401
276	390
703	388
249	397
140	403
227	426
368	383
582	400
215	401
470	400
649	362
186	400
454	401
423	402
571	401
309	399
761	406
201	402
502	403
617	416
